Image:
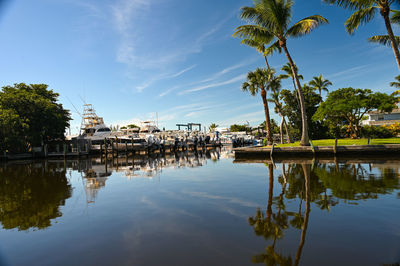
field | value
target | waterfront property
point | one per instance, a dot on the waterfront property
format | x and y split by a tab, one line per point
376	118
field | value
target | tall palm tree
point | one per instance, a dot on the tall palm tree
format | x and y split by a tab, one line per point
320	84
365	11
258	81
275	98
271	18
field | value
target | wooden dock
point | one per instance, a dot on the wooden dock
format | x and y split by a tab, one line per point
108	148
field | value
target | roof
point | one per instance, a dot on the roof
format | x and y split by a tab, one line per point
376	112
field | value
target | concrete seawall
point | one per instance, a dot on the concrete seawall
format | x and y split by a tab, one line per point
317	151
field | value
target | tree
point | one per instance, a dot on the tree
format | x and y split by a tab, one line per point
32	113
396	83
291	109
271	19
352	104
259	81
275	98
365	11
212	127
289	74
320	84
238	128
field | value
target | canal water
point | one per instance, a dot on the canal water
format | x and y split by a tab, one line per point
200	209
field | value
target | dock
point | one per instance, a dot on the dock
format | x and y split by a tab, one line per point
109	147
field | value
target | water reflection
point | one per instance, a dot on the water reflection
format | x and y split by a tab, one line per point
324	185
96	170
31	195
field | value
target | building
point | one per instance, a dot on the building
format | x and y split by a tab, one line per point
376	118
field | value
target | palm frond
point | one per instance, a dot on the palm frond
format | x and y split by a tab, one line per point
306	25
384	40
351	4
395	18
360	17
275	47
254	32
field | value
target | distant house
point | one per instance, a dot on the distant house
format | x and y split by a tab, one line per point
376	118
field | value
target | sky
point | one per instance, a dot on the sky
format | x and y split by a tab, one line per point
137	60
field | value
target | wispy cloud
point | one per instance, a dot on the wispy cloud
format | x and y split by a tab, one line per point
180	73
213	85
229	69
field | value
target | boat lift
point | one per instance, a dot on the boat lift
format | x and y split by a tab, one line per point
189	126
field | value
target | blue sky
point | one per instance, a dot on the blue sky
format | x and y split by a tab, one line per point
134	58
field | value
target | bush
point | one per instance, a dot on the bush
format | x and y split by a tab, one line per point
395	129
376	132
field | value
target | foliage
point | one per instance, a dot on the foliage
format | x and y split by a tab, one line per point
30	196
365	11
29	116
274	126
376	132
396	83
394	128
270	20
291	110
262	80
320	84
238	128
351	105
212	127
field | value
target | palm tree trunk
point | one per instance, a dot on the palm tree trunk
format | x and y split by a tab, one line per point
287	131
385	14
266	61
281	130
306	170
267	118
305	141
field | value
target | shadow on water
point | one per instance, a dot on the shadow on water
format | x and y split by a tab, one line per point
31	193
323	185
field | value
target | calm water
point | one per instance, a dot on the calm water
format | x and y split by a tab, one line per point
199	209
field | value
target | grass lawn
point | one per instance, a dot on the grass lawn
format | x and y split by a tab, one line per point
343	142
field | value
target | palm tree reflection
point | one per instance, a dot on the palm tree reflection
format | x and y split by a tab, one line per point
324	185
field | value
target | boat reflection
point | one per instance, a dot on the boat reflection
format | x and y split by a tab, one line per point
323	185
96	170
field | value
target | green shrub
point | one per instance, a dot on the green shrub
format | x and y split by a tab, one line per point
376	132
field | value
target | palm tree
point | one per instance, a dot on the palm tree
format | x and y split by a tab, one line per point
396	83
278	109
212	127
260	46
385	39
258	81
320	84
289	74
365	11
271	19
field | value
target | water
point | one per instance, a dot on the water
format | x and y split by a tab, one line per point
199	209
